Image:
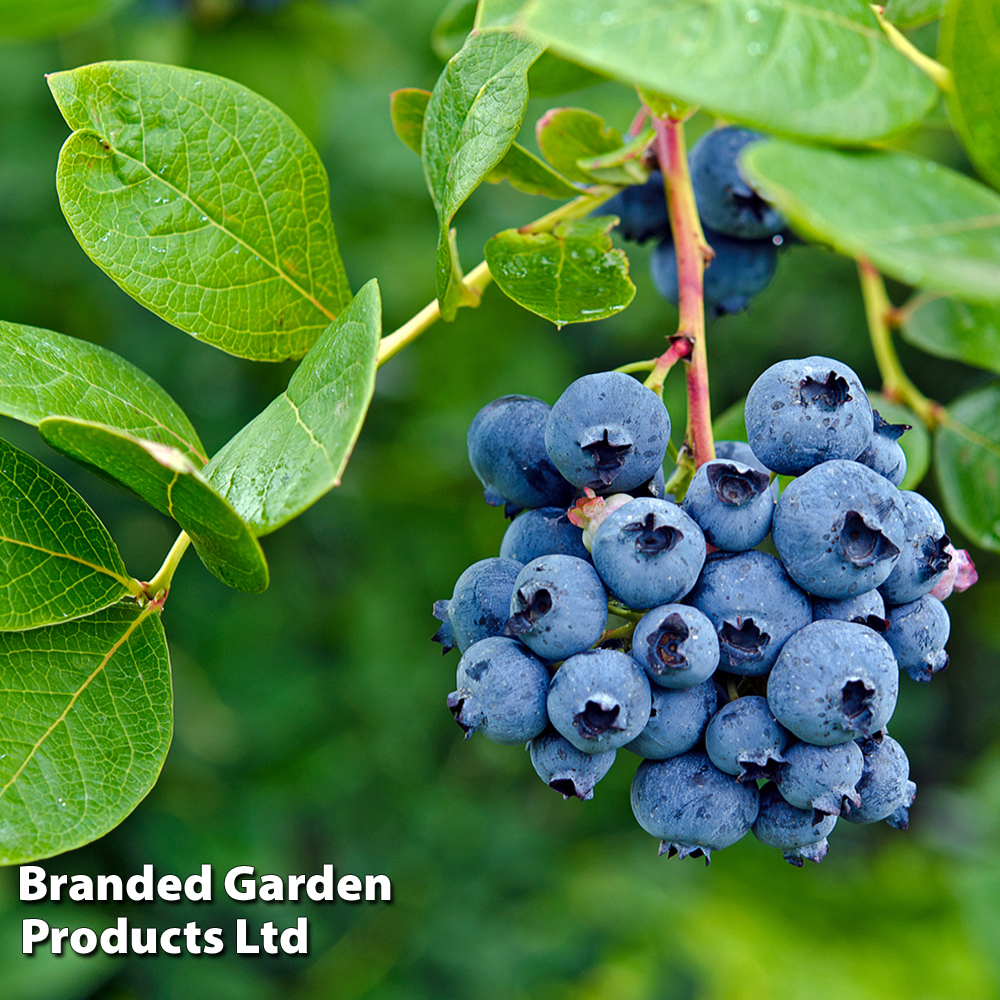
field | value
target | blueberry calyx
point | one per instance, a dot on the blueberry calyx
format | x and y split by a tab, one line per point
608	456
735	488
744	642
856	701
457	703
532	605
828	395
665	641
875	622
652	539
747	200
596	719
936	558
862	544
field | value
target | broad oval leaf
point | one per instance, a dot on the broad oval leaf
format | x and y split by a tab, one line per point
57	560
571	275
407	108
44	374
169	481
967	464
85	723
914	219
820	70
296	450
204	202
473	116
916	442
964	331
970	46
42	18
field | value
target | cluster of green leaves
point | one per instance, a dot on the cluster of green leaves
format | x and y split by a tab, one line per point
206	204
210	207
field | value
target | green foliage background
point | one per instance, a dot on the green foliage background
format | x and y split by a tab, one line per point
310	720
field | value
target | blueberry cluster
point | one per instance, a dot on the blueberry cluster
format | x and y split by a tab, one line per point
756	688
742	229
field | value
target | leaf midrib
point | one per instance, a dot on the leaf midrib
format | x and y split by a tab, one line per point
127	582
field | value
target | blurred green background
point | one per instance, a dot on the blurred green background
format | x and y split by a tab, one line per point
311	724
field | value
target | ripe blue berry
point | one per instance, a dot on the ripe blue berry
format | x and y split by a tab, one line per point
676	645
884	454
607	432
543	532
732	504
917	634
822	779
569	771
479	606
745	739
795	832
677	720
805	411
923	557
641	210
885	789
865	609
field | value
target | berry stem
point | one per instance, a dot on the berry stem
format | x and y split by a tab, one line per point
680	347
479	277
939	74
693	253
159	586
896	385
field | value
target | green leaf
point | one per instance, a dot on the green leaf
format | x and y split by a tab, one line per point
523	170
526	172
497	13
567	135
473	116
969	45
912	13
44	374
916	442
963	331
620	166
551	75
914	219
204	202
664	106
296	450
967	464
87	718
57	560
168	480
407	109
821	69
571	275
452	28
43	18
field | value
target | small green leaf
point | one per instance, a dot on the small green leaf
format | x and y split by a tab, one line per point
407	108
967	464
821	69
571	275
44	374
969	45
473	116
204	202
914	219
44	18
912	13
621	166
168	480
57	560
296	450
87	719
523	170
916	442
963	331
526	172
664	106
567	135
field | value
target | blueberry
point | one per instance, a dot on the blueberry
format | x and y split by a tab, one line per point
558	606
506	443
543	532
795	832
821	778
740	451
676	645
732	504
608	432
805	411
501	689
924	555
839	528
725	201
864	609
884	454
885	789
917	634
833	681
745	739
564	768
648	552
479	606
677	720
740	270
692	806
641	210
599	700
753	605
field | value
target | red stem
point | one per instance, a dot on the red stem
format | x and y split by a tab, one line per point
693	253
680	347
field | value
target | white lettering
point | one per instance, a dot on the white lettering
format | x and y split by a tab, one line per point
249	889
33	931
349	888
